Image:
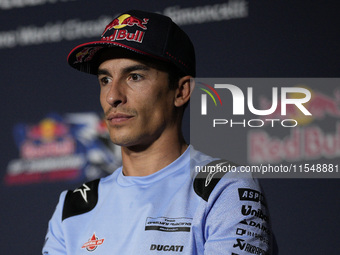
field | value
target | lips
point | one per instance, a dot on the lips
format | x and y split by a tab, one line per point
118	118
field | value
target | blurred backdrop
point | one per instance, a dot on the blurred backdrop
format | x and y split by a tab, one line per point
53	137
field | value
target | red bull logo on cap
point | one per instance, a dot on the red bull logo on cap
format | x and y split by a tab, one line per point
126	20
123	34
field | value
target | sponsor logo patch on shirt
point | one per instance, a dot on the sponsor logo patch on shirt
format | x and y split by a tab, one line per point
93	243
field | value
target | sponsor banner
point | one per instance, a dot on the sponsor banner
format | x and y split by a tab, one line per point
12	4
53	32
232	9
272	127
73	147
73	29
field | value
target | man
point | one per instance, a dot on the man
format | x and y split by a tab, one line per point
155	203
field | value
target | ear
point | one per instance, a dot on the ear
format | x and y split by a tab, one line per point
185	87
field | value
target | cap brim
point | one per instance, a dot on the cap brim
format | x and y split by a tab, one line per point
84	56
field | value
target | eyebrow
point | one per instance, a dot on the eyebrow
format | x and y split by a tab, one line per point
135	68
125	70
103	72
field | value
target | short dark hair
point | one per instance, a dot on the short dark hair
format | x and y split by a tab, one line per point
174	76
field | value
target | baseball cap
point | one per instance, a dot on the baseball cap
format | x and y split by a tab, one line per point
150	34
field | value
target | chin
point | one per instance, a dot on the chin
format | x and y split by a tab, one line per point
122	140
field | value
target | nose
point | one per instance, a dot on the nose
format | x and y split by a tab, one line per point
115	95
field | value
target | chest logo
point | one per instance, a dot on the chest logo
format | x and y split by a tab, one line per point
93	243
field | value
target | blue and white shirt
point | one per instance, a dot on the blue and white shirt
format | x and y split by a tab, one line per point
185	208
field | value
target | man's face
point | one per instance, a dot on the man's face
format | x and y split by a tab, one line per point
137	101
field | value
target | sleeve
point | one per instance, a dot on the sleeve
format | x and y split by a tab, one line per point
54	240
237	219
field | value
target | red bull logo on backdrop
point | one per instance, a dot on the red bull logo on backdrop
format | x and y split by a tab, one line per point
311	141
60	149
47	152
123	34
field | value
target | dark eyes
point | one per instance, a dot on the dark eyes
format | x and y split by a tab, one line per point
131	77
104	80
136	76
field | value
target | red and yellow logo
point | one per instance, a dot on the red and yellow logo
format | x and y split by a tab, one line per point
126	20
93	243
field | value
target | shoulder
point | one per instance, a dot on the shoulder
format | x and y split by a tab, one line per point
214	175
231	201
85	198
81	200
209	175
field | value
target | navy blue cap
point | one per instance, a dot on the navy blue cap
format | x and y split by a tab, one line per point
145	33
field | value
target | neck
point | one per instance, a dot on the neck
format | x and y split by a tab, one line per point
146	160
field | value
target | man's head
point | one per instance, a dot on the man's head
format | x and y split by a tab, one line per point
144	63
144	33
